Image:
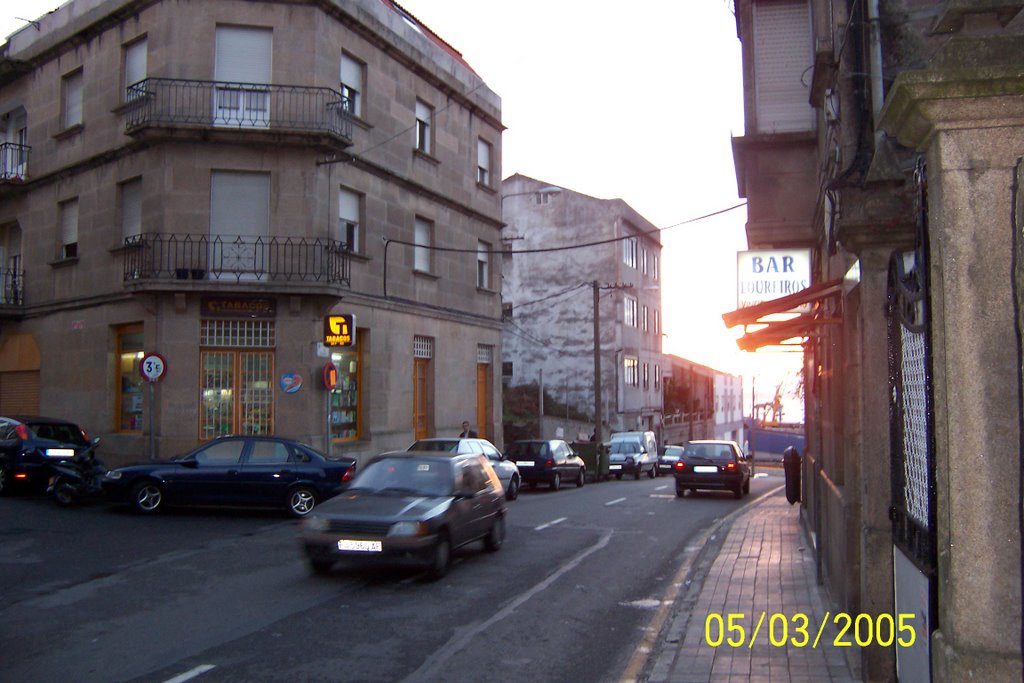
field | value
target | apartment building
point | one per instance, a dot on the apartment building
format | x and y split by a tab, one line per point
568	258
226	185
886	137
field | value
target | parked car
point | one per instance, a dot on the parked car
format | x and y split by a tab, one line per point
629	456
235	471
29	444
544	461
667	459
416	507
716	465
506	470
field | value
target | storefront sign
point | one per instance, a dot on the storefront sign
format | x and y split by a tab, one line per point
766	275
237	307
291	382
340	330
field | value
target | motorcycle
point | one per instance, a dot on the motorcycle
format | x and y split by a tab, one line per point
78	479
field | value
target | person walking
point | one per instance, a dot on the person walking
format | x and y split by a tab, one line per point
467	433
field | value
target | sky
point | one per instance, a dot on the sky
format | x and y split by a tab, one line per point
636	101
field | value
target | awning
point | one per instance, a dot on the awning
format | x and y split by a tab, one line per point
776	332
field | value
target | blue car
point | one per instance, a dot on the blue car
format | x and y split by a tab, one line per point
234	471
28	445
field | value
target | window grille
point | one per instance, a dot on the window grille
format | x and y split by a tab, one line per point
484	354
422	347
237	333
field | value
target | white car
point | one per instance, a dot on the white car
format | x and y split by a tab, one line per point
506	470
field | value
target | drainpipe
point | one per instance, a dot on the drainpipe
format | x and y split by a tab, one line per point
875	64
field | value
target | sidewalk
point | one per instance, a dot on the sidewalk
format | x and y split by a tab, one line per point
764	566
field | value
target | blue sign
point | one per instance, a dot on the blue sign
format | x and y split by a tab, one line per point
291	382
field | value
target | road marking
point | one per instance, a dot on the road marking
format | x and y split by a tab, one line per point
613	502
189	675
551	523
663	495
662	487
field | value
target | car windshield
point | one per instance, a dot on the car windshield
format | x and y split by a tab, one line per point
413	476
673	452
625	447
58	431
446	445
527	450
710	451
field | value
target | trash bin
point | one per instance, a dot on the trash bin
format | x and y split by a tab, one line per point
588	451
791	466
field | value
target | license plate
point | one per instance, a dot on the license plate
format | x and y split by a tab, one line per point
60	452
524	463
705	469
615	467
359	546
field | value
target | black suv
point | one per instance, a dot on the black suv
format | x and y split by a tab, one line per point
29	444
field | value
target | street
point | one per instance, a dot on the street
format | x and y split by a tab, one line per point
97	593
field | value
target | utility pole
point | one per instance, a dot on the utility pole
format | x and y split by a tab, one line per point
598	436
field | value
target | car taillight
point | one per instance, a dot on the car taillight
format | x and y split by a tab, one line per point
22	432
349	473
731	466
680	465
20	475
549	462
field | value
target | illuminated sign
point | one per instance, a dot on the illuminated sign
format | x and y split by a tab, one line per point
330	375
340	330
771	274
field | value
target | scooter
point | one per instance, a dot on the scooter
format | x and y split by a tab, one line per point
79	479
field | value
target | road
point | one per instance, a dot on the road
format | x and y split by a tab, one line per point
97	593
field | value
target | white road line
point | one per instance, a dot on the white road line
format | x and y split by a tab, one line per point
659	488
189	675
613	502
551	523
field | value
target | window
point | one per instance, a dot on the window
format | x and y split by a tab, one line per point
236	368
242	70
647	375
657	322
783	55
483	163
239	223
643	261
135	59
349	204
424	115
654	266
657	377
69	229
129	383
631	372
483	265
72	94
629	252
346	399
644	319
131	208
268	453
630	304
423	239
352	84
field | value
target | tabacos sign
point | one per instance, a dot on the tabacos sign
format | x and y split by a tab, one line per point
770	274
340	330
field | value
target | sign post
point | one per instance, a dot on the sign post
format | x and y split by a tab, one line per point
152	368
330	381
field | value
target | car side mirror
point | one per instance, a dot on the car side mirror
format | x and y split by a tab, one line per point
192	464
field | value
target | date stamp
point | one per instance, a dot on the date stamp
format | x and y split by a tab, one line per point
779	630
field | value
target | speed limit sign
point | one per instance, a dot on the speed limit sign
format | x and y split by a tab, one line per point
153	366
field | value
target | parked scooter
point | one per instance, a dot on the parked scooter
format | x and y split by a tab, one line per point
79	479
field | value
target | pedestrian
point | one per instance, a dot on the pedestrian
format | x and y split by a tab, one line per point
467	433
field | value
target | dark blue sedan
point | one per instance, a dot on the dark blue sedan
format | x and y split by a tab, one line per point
235	471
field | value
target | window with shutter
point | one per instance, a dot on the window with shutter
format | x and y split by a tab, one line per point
72	87
135	58
131	208
348	220
243	74
239	224
352	84
69	229
783	57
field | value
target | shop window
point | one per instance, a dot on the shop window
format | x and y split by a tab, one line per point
346	403
236	384
130	384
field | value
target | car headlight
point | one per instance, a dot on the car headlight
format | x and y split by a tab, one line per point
408	529
316	524
113	474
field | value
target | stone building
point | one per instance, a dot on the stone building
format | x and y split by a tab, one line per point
564	253
886	136
209	181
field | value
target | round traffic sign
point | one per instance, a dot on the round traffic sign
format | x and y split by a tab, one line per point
153	366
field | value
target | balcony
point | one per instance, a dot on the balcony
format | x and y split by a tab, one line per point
162	261
12	296
13	162
164	107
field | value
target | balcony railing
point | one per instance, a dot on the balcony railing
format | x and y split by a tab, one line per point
13	293
235	259
13	161
220	104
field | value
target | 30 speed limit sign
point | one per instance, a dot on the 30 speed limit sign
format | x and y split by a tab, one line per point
153	366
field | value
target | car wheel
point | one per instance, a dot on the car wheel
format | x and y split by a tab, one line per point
147	497
581	479
441	559
636	473
63	492
738	491
5	481
746	487
496	536
513	489
301	501
652	473
556	482
680	492
320	567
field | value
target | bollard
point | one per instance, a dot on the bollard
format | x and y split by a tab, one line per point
791	466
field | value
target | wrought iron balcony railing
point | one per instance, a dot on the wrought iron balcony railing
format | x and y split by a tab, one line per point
235	259
13	161
220	104
13	293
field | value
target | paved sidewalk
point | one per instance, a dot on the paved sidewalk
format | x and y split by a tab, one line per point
765	566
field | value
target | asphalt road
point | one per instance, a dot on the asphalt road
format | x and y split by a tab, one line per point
97	593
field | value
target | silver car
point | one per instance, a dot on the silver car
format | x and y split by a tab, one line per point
506	470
